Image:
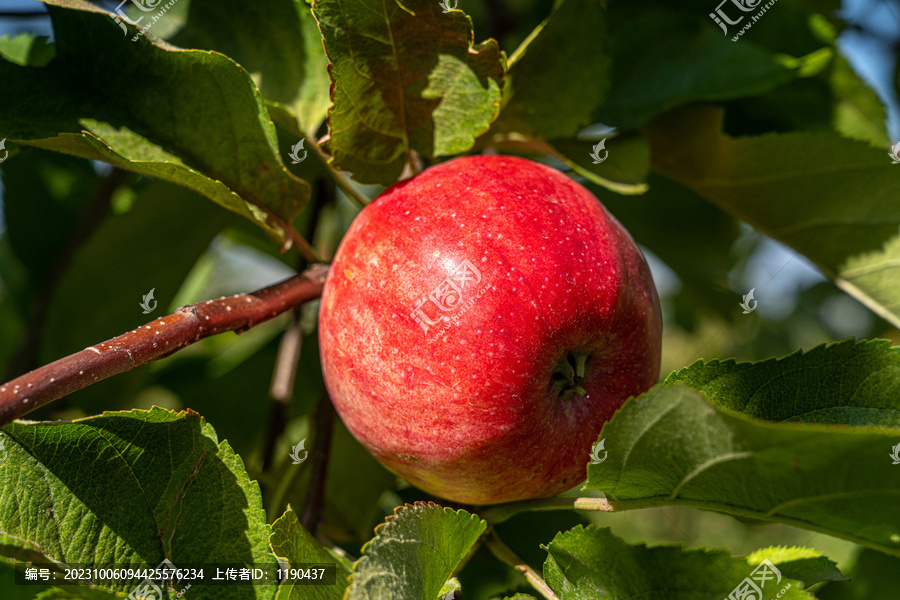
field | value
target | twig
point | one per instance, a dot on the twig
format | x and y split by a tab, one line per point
339	179
414	165
304	247
505	554
323	424
286	365
502	512
282	388
156	340
323	419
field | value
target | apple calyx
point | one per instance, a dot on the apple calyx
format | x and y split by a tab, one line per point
568	377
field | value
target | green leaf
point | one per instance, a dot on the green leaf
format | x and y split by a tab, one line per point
187	116
13	547
131	488
873	575
551	89
219	393
414	553
48	192
451	587
27	49
292	542
671	446
832	199
354	483
278	43
57	594
70	592
803	564
152	246
847	383
665	59
593	564
624	161
10	590
693	237
858	112
15	298
834	96
405	77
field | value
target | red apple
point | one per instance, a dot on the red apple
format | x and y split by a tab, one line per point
479	324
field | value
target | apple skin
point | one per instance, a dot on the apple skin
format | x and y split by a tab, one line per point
471	409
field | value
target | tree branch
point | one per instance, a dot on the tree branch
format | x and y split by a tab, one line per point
281	390
501	512
156	340
340	180
505	554
304	247
323	421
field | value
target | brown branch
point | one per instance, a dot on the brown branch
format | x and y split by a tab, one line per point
505	554
323	421
156	340
282	389
501	512
304	247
